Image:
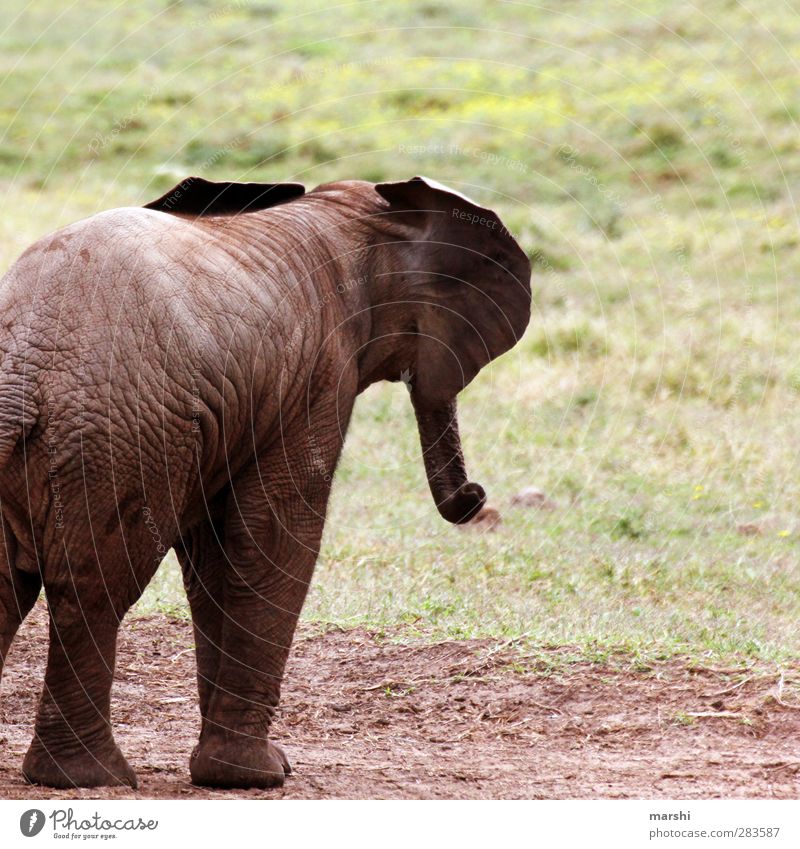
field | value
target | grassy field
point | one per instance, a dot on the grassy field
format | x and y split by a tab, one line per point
647	155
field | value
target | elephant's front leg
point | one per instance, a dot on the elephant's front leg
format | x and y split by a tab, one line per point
273	528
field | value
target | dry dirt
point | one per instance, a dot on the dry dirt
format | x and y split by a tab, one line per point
363	718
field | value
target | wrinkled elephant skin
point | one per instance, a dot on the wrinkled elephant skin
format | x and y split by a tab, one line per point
182	375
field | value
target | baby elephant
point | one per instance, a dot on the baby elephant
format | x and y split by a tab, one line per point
183	375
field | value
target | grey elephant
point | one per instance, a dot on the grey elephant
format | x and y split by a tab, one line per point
182	375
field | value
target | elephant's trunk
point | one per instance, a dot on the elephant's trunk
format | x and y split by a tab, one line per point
456	498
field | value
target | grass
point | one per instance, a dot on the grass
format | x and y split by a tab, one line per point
645	156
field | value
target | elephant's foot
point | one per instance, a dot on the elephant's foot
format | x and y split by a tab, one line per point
98	767
240	763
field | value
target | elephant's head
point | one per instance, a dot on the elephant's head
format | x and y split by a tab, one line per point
449	292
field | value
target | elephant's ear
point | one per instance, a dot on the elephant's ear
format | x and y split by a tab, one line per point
196	196
466	276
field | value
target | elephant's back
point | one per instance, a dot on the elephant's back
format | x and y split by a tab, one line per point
131	267
137	310
109	280
77	271
97	317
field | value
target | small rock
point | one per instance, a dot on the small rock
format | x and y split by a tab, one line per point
533	497
487	521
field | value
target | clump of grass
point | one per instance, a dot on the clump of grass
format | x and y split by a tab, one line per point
568	336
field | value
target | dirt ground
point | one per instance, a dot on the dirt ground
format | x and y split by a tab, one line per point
363	718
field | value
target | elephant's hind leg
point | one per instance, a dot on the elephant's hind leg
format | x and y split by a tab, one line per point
202	558
18	593
73	745
87	597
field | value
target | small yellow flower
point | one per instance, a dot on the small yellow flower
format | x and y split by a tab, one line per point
758	504
783	533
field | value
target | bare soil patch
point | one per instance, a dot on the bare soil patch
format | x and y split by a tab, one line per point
363	718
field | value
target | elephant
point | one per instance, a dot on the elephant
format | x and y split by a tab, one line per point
181	375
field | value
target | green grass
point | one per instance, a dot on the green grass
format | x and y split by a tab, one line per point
646	157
